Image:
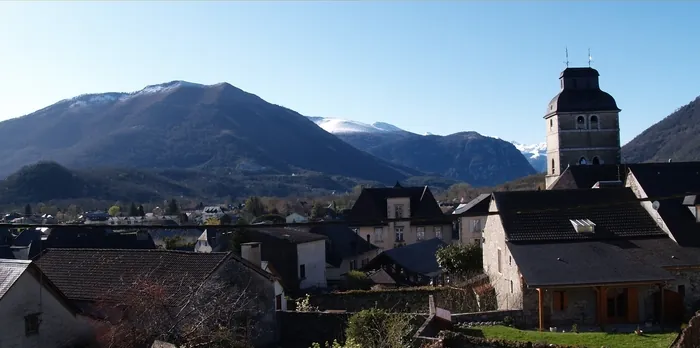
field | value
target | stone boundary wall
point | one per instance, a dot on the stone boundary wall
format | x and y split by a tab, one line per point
489	316
690	336
406	300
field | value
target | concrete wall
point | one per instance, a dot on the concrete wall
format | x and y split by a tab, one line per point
467	233
313	256
506	281
59	327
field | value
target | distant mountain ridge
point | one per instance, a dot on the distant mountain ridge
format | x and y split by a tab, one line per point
469	156
372	138
183	125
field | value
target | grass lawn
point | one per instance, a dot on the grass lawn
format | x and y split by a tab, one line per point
586	339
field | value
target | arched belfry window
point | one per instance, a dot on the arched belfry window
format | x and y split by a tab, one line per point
580	122
594	122
582	160
552	165
596	160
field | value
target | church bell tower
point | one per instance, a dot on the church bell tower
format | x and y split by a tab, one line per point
583	124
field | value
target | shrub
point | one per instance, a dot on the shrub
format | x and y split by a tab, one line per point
356	280
379	328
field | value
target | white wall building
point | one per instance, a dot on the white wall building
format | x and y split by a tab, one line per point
33	313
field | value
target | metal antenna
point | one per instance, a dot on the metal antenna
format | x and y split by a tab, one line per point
567	57
590	59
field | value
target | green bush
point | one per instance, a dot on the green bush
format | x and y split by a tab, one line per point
379	328
356	280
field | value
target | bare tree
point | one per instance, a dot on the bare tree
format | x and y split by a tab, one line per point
215	313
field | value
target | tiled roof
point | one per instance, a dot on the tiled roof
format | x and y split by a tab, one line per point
371	205
10	271
477	206
546	215
586	263
107	274
292	235
342	243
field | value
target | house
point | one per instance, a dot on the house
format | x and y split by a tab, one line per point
345	250
214	212
100	281
33	312
252	252
203	245
586	256
472	218
296	218
412	265
424	218
296	254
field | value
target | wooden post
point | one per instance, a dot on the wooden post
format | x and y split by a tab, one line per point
540	307
663	307
603	305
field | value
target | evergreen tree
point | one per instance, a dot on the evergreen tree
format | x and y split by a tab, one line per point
27	210
172	207
133	211
141	212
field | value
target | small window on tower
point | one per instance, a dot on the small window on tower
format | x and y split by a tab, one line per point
594	122
551	123
580	122
552	166
582	160
596	160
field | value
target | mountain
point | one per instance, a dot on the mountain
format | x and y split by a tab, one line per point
48	181
218	129
673	138
467	156
536	154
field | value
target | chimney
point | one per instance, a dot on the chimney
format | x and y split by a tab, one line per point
251	252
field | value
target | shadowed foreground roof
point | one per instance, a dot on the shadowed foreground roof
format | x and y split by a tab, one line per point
417	257
600	262
108	274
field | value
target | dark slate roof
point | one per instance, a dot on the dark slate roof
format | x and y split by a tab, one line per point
529	216
670	183
583	263
27	236
97	237
371	205
662	252
585	176
108	274
417	257
582	98
342	243
477	206
289	234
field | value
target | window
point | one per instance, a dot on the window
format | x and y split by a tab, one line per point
681	290
552	165
353	265
511	286
302	271
551	123
378	232
398	211
500	267
476	225
369	239
278	302
582	160
31	324
596	160
399	233
420	233
365	262
510	260
438	232
580	122
560	300
594	122
477	241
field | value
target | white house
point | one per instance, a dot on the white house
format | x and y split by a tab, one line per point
212	212
345	250
202	245
296	218
472	219
33	312
252	252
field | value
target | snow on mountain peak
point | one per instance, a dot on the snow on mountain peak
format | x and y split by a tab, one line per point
339	126
533	150
101	98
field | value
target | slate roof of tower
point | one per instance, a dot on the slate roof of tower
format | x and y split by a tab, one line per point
541	216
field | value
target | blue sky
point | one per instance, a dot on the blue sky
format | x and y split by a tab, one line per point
438	67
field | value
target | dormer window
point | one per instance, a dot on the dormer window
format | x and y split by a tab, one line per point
693	204
580	122
583	225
